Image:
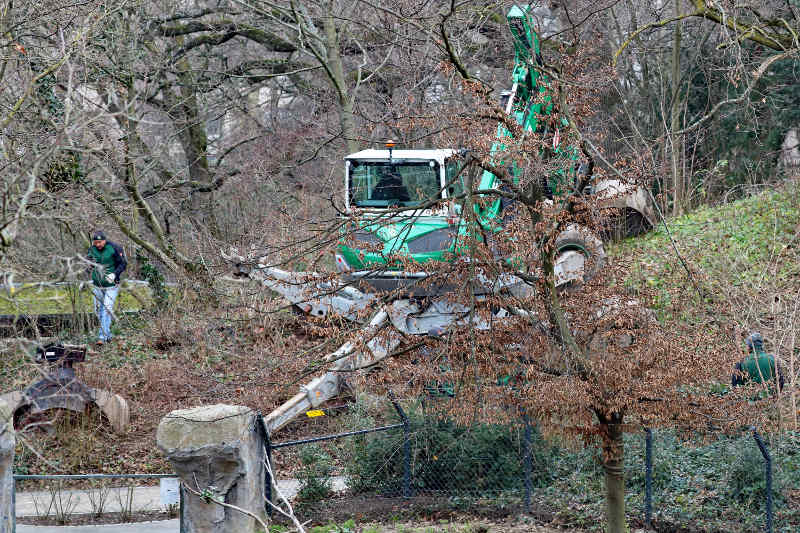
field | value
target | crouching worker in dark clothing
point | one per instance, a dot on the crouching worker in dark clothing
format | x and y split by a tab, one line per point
758	366
108	264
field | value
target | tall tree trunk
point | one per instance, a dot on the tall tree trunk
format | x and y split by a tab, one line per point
614	466
336	71
194	140
675	112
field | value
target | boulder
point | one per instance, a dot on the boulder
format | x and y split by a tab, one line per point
218	449
790	149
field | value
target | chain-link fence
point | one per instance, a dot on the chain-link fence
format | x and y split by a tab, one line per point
411	457
745	482
730	484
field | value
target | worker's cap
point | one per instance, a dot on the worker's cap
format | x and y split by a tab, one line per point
98	236
754	339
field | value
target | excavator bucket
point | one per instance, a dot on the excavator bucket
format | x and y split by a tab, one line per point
59	391
635	212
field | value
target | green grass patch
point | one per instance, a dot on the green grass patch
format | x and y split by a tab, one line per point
738	246
34	299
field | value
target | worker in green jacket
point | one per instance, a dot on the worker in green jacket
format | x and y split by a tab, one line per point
758	366
108	263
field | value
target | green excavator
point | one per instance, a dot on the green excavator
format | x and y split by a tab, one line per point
404	209
395	192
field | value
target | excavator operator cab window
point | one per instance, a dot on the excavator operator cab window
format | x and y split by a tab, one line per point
399	183
390	186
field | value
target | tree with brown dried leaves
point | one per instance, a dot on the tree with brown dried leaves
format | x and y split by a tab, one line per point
588	362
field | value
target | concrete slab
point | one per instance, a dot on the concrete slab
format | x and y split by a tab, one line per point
164	526
43	503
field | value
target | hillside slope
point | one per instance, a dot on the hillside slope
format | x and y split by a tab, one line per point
745	255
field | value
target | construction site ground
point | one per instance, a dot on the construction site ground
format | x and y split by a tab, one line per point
252	351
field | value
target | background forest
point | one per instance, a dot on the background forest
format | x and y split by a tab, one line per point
184	128
181	126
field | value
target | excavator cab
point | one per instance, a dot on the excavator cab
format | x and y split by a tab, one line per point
380	180
401	206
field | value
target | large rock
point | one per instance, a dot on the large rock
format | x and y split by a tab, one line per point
7	443
219	448
115	407
790	149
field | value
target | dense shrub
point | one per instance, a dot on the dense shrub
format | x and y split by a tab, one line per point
315	482
479	459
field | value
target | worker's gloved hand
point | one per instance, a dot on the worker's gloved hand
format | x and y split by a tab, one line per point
111	278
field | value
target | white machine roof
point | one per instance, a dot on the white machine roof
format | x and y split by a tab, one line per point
402	154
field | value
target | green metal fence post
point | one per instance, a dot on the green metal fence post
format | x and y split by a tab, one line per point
768	473
648	477
406	446
528	465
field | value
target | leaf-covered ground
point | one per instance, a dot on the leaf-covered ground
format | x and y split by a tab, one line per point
187	356
746	253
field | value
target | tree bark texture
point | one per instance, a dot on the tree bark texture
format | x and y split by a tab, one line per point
614	467
339	83
678	193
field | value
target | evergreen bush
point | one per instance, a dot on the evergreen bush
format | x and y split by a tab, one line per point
447	457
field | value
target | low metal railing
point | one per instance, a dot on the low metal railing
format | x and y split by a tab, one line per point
25	477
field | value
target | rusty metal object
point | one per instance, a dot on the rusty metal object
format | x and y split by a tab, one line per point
59	389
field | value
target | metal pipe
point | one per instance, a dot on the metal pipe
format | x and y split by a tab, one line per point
336	436
648	477
768	473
